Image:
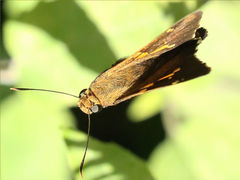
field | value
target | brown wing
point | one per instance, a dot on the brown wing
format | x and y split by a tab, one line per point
128	77
173	67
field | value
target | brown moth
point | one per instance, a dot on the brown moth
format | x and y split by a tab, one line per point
169	59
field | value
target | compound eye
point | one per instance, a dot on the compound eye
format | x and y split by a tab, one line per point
82	92
96	108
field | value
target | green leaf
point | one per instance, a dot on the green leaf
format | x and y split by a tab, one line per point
145	106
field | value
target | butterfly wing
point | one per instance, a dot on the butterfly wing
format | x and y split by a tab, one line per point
173	67
148	68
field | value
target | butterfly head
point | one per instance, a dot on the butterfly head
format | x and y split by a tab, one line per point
88	103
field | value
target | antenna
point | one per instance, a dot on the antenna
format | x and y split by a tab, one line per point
86	147
47	90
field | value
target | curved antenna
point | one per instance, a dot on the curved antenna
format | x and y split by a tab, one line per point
47	90
86	147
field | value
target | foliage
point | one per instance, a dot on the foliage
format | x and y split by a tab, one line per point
64	45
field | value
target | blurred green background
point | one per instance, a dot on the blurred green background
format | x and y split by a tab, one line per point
188	131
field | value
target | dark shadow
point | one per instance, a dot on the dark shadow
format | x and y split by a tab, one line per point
112	125
4	56
5	92
102	133
67	22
